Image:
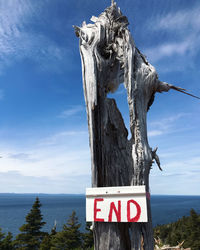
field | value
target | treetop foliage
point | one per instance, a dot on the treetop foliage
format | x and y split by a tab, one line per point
186	229
33	238
31	235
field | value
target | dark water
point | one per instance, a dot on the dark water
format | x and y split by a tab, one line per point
14	208
167	209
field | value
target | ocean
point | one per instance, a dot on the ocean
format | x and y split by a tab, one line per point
14	208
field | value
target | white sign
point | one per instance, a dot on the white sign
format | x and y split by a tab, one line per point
116	204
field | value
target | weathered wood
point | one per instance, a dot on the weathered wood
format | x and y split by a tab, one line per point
109	58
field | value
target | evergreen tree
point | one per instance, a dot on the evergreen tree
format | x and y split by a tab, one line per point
46	243
6	241
2	235
186	229
31	235
88	240
70	237
193	230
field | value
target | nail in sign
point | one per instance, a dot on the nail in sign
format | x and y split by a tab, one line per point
116	204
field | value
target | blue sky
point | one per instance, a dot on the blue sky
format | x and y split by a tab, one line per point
43	126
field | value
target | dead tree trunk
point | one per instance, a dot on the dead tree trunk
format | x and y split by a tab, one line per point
110	57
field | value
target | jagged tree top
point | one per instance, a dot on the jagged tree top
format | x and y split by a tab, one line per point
109	38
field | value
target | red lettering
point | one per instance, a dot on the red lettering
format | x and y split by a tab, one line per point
117	212
138	208
97	209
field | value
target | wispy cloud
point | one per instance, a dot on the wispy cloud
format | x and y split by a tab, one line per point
19	39
165	125
62	137
181	28
71	111
181	171
13	18
181	21
169	49
66	153
14	181
56	163
184	166
155	132
21	156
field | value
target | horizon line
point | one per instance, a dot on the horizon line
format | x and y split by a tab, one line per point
83	194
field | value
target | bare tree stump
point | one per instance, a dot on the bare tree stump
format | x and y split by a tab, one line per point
109	58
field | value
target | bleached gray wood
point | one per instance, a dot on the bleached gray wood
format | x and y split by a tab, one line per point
109	57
